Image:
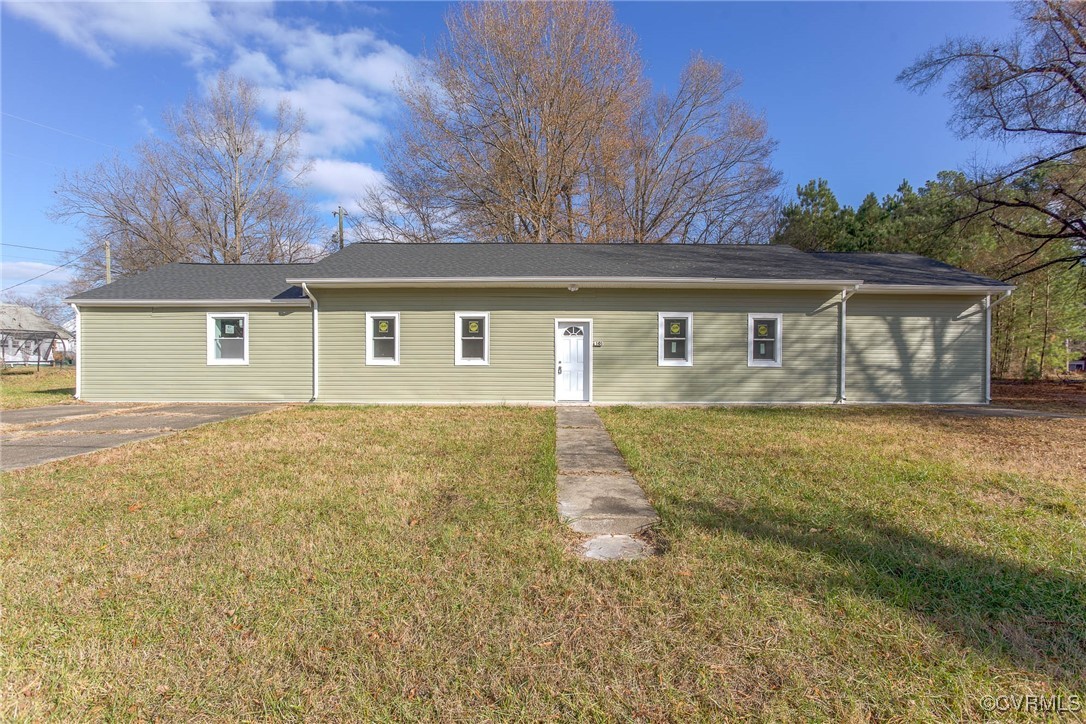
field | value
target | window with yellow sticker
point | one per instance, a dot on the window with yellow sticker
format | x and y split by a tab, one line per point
764	340
676	339
383	338
472	338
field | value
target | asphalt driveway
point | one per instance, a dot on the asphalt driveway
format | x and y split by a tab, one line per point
42	434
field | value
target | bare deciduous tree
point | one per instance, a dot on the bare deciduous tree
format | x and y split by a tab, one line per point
1032	87
217	188
699	168
532	122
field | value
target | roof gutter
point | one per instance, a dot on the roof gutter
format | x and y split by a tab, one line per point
188	302
582	282
316	336
934	289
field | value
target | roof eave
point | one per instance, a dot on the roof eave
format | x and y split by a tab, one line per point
872	288
187	302
581	282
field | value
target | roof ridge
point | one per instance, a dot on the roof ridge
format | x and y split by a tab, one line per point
551	245
244	263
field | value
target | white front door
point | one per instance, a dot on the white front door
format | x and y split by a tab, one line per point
571	361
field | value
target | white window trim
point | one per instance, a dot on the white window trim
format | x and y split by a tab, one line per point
369	339
689	361
211	317
459	358
751	362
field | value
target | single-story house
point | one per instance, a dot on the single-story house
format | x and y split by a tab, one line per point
503	323
27	338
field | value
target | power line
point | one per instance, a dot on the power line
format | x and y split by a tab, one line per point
46	273
33	160
20	257
35	248
58	130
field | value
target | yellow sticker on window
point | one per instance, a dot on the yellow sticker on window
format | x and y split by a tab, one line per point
675	327
382	326
473	326
763	330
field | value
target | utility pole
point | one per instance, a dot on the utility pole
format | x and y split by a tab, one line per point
109	271
340	213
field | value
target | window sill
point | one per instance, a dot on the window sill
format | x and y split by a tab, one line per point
763	364
228	363
677	363
472	363
382	363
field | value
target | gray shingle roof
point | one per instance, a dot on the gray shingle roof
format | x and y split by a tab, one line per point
899	269
479	261
183	281
16	318
179	282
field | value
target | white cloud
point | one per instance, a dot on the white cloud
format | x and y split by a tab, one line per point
343	81
339	118
17	272
101	29
256	67
343	181
142	121
356	56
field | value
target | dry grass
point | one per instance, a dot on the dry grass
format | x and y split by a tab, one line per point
1066	395
359	563
898	563
27	387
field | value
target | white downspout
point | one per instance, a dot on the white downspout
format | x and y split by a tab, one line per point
988	304
316	338
78	353
845	294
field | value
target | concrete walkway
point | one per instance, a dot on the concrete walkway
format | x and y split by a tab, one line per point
597	494
38	435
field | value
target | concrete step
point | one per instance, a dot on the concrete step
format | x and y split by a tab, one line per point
612	525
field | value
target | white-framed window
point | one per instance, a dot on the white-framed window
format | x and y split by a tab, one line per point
676	340
472	338
763	340
382	338
228	338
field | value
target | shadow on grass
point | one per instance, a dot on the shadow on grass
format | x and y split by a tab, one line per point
1030	616
70	391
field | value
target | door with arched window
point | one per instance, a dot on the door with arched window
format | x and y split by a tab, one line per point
572	360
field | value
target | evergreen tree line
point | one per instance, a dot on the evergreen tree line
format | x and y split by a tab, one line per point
1031	329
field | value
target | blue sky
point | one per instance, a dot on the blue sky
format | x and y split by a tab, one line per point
81	82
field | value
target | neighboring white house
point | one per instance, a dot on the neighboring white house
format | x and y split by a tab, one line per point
27	338
69	347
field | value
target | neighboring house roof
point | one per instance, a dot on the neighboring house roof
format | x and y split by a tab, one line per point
15	318
879	268
212	282
663	264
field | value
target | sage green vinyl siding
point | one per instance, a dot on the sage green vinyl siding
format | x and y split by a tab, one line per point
160	354
624	369
913	348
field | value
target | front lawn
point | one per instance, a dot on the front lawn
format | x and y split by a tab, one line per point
354	563
885	562
28	387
